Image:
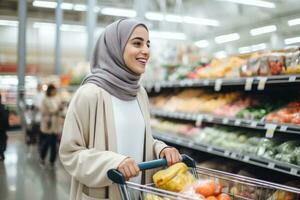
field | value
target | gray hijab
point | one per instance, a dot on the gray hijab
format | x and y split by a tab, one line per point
108	69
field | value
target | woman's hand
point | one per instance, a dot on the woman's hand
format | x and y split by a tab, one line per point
171	154
129	168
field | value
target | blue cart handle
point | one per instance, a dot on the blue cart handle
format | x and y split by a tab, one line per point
117	177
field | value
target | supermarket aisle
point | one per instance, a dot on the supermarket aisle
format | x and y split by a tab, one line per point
21	177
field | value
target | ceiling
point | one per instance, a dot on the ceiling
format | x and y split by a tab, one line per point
232	18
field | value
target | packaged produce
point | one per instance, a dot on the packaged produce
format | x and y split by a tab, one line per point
276	63
251	67
175	178
293	63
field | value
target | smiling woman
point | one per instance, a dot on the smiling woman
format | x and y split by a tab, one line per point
108	112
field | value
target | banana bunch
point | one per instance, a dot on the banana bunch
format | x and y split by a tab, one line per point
175	178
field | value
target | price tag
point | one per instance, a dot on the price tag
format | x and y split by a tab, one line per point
246	158
283	128
190	82
270	130
248	85
253	124
292	78
237	122
226	153
225	121
206	82
262	83
218	84
209	118
233	155
209	149
294	171
271	165
199	120
157	87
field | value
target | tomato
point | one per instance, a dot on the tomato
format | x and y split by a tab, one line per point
206	188
223	196
211	198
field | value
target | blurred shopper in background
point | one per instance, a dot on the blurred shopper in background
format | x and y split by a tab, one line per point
37	104
49	124
4	125
108	121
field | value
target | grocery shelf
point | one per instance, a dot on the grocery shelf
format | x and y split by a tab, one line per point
260	81
197	118
290	169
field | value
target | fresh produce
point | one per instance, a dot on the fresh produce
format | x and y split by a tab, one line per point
174	178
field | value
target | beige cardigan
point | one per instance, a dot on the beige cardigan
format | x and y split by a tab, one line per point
87	151
50	119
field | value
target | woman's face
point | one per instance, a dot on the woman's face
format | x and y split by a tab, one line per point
136	52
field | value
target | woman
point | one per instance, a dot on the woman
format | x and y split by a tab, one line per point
49	125
108	121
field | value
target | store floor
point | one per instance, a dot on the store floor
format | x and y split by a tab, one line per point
22	178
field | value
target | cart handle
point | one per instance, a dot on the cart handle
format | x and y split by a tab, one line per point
117	177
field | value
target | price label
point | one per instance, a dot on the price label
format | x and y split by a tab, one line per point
253	124
199	120
246	158
248	85
271	165
190	82
270	130
283	128
294	171
209	118
157	87
225	121
262	83
237	122
233	155
209	149
226	153
218	84
292	78
206	82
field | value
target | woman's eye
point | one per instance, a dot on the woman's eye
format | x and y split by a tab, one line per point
137	43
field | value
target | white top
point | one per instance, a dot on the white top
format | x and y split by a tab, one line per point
130	130
37	102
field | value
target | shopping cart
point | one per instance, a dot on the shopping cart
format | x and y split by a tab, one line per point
236	186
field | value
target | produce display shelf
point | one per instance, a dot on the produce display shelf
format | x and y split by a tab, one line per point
197	118
286	168
261	81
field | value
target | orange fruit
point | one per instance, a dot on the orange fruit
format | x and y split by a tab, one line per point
218	188
211	198
205	188
223	196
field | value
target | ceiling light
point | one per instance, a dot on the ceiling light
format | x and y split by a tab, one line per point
118	12
45	4
294	22
72	28
227	38
8	23
167	35
259	3
263	30
245	50
67	6
220	54
202	43
80	7
201	21
255	47
45	25
292	40
154	16
174	18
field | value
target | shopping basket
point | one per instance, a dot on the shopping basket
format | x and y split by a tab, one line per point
236	186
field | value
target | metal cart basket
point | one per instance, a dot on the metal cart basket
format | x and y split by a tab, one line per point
236	186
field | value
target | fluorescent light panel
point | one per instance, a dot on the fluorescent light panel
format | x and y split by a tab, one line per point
9	23
294	22
167	35
154	16
64	27
45	4
292	40
201	21
118	12
67	6
227	38
255	47
80	7
220	54
202	43
258	3
263	30
64	6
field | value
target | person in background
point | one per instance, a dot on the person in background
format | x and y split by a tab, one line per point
108	120
49	125
37	104
4	125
